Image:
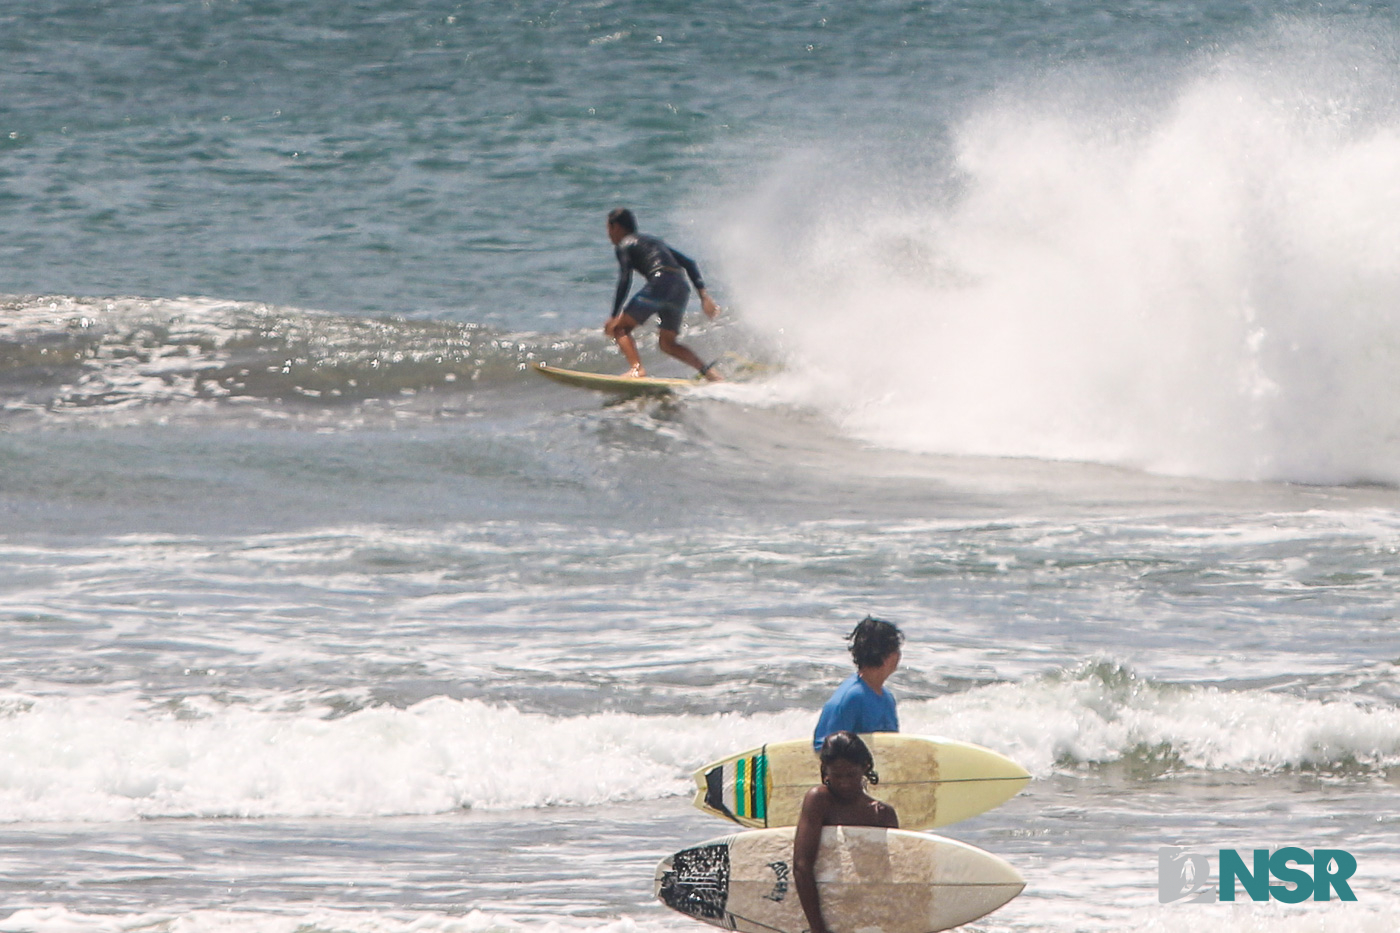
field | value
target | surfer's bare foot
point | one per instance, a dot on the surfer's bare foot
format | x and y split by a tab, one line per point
636	372
713	376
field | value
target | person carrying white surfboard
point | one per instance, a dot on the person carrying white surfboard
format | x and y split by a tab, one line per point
840	800
862	703
664	293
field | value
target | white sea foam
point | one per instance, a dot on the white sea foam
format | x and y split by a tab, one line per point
1199	281
80	759
1098	914
1105	714
90	760
1023	916
61	920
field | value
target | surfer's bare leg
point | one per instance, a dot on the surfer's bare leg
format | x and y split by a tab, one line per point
619	328
680	351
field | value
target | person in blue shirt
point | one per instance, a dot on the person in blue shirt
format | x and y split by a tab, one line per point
862	703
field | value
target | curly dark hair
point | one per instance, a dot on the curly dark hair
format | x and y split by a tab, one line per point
874	640
847	746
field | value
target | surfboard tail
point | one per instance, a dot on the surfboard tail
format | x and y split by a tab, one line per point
736	789
695	881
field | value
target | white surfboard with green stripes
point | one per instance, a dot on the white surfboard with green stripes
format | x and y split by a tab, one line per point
929	781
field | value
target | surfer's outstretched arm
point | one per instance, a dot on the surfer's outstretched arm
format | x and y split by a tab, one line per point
692	271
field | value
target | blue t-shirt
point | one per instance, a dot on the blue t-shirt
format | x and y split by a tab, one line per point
855	707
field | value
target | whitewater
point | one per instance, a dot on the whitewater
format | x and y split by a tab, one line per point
1195	277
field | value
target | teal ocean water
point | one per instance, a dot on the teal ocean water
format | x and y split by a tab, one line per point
1061	334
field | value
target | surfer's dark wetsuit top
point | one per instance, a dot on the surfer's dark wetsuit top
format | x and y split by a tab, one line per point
665	293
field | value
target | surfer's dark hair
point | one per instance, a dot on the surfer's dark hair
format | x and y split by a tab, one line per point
847	746
623	218
874	640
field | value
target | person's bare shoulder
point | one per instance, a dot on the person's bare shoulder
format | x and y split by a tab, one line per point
818	799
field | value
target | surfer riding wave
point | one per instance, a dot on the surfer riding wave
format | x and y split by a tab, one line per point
665	293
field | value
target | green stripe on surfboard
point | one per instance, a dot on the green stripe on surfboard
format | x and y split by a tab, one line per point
760	789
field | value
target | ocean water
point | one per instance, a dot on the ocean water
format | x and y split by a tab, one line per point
1064	335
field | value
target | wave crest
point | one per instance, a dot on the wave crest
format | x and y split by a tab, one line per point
1103	714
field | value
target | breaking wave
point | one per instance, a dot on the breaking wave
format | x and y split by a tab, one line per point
1193	275
111	759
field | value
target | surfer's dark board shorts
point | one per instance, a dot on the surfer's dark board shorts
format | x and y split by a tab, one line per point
665	296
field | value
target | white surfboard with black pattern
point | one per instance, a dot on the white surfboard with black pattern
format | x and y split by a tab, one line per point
869	880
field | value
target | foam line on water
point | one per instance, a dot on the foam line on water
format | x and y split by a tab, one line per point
1102	714
323	920
86	759
102	760
1025	915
